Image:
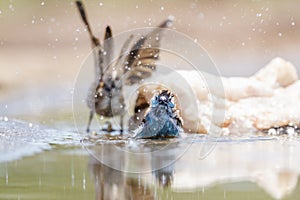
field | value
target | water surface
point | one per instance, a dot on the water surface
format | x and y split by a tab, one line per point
194	167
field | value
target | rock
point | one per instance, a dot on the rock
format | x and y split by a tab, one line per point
235	105
278	73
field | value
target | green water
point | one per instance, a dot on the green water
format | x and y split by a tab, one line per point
57	174
72	173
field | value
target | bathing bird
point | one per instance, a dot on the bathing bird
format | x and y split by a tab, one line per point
161	120
133	65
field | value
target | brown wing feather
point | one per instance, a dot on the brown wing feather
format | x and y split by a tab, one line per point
94	40
122	57
96	46
108	50
141	60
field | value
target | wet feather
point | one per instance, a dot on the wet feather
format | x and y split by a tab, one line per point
161	120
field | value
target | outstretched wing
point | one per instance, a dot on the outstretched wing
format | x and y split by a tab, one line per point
115	69
101	54
107	51
94	40
141	61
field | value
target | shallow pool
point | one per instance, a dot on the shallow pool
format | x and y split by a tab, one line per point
110	167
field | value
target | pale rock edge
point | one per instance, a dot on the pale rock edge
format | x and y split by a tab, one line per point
242	105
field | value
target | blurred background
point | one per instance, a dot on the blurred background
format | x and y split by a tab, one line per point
43	43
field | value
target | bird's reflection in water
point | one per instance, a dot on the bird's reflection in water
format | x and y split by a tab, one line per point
111	183
270	164
163	164
164	176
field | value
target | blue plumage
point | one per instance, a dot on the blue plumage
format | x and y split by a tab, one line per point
161	121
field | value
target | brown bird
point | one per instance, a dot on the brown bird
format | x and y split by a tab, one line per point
105	96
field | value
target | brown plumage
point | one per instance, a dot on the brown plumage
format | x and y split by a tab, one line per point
106	94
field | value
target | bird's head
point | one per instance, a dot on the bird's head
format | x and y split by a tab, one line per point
164	98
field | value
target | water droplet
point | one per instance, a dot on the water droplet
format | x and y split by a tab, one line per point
30	125
272	131
279	34
195	40
6	178
11	7
200	16
136	6
243	43
83	182
42	3
290	131
101	117
293	23
5	118
162	8
258	14
100	4
76	38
